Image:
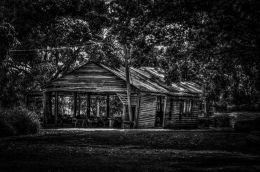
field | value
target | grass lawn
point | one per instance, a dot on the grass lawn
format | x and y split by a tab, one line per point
131	150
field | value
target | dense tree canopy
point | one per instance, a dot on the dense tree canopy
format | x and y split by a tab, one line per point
214	43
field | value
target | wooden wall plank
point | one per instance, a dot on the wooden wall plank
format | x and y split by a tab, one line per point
174	120
146	118
92	78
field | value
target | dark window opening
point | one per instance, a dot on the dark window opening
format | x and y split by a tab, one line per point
159	111
133	108
185	108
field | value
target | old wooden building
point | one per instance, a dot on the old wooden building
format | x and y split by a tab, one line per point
93	88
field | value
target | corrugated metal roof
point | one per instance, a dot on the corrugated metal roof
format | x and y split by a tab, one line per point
151	79
158	75
146	79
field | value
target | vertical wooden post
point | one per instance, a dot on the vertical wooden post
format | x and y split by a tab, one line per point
47	106
98	110
79	99
49	102
164	111
56	108
75	104
88	105
108	107
137	110
123	116
160	104
128	86
44	102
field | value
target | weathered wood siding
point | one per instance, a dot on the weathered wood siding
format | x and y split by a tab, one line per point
90	78
123	98
147	111
173	116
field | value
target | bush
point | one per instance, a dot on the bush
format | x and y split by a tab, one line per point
25	122
248	125
221	106
21	120
244	107
5	128
204	122
221	120
117	122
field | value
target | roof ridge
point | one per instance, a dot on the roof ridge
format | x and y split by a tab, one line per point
143	79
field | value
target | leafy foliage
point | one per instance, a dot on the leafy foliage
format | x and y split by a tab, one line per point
5	128
247	125
214	43
19	121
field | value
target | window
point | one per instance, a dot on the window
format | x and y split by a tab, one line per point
186	107
159	111
160	104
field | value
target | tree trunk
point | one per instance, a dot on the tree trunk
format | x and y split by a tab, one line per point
128	86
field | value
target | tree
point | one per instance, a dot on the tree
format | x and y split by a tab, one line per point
214	43
221	46
8	40
127	19
49	24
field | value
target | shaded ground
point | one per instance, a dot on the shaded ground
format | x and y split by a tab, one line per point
131	150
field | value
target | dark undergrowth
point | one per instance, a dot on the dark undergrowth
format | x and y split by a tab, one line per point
54	150
194	140
18	121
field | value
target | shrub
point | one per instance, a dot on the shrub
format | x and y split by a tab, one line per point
25	122
117	122
248	125
221	106
21	120
204	122
221	120
5	128
244	107
181	125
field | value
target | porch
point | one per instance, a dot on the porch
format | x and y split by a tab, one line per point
87	110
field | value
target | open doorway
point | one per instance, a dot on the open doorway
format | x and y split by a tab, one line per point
159	111
133	108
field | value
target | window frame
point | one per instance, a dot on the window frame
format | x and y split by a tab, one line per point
186	107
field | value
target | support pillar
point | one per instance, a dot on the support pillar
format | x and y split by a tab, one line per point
79	103
44	105
75	104
137	110
47	107
88	105
108	107
56	108
164	112
123	116
98	109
